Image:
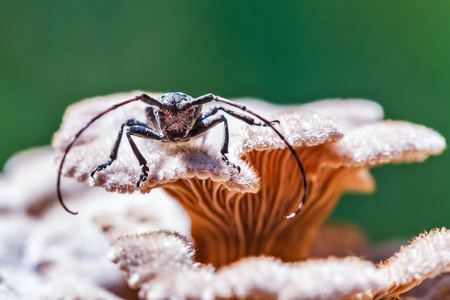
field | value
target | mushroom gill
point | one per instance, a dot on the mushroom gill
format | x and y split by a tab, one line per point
235	215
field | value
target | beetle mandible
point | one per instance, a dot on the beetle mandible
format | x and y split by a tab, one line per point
177	117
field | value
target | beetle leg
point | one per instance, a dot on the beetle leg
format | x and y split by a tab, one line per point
143	132
204	124
115	147
143	97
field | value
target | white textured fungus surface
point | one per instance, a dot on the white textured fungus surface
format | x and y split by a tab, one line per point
145	256
46	253
427	256
175	275
299	127
347	112
388	141
330	278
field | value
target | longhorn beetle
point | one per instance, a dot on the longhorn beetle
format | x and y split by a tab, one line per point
177	117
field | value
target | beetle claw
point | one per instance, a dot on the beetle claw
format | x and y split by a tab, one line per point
225	159
101	167
143	177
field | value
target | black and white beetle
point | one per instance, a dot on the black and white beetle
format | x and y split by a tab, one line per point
177	118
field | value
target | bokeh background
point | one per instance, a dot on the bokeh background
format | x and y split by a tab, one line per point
55	52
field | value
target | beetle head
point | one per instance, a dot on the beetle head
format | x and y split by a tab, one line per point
177	115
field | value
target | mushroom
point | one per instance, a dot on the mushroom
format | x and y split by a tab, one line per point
234	215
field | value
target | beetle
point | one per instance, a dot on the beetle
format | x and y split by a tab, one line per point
177	117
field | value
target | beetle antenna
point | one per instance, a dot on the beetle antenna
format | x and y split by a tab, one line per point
299	163
75	137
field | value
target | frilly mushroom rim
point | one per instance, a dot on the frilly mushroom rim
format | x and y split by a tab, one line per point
235	215
173	274
427	256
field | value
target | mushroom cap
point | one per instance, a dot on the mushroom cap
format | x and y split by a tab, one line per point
351	128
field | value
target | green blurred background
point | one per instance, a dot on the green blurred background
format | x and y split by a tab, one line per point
53	53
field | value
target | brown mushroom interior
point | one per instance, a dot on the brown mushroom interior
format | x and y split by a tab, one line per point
227	226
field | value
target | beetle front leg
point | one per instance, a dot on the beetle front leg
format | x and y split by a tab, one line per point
147	133
115	147
203	125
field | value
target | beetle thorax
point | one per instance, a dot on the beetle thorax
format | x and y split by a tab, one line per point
176	116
